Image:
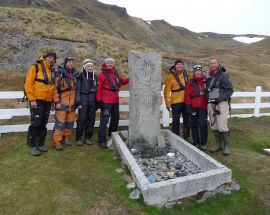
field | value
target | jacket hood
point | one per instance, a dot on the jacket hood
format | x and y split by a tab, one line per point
104	67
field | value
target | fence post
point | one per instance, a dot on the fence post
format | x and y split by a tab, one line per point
257	102
165	112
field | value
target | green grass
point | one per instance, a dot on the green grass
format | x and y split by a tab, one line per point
83	180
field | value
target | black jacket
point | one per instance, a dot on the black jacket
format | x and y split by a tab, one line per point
86	89
221	83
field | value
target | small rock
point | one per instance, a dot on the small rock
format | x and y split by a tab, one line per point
119	170
135	194
131	185
109	143
170	174
170	154
126	177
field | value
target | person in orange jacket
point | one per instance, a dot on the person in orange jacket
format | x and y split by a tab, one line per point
174	92
39	87
64	99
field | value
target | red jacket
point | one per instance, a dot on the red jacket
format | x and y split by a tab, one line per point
190	94
104	94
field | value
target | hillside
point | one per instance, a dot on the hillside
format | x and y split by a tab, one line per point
88	28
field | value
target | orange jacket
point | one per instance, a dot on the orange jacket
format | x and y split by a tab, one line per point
36	89
171	85
65	92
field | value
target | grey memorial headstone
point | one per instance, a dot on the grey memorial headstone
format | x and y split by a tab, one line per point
144	103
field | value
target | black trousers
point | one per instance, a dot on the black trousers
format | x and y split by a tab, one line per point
177	110
37	131
86	122
108	111
198	122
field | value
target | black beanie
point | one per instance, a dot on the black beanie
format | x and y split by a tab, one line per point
50	54
68	59
179	61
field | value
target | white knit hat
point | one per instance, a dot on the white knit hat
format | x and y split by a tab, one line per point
109	59
87	62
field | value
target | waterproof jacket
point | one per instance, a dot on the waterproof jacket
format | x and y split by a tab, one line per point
86	88
172	94
65	92
220	82
195	94
104	92
38	90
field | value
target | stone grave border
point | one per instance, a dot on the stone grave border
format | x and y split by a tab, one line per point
214	173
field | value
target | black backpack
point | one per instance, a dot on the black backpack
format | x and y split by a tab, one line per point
45	80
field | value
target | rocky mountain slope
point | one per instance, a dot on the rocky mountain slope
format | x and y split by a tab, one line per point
88	28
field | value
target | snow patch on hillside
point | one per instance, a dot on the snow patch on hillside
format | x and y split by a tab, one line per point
244	39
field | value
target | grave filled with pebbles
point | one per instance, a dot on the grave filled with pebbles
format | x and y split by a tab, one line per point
165	164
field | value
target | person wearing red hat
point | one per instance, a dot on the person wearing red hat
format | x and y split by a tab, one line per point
196	103
39	87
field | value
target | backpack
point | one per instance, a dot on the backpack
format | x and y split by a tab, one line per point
181	86
114	88
45	80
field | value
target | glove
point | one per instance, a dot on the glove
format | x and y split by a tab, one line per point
99	105
168	108
217	101
189	109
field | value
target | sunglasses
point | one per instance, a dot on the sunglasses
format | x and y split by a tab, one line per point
197	67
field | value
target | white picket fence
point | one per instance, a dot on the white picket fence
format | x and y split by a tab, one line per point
165	118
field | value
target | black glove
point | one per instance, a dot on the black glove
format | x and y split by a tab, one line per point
99	105
189	109
217	101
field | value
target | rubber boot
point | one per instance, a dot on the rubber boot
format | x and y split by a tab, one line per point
186	134
225	139
88	141
41	142
32	149
218	146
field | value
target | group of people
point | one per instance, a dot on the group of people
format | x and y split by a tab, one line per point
64	90
197	98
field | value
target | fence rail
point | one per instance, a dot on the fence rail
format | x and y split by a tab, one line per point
165	118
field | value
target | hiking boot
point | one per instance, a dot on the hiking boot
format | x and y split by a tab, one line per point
58	147
88	142
218	146
225	138
203	147
103	145
66	142
33	151
42	148
79	143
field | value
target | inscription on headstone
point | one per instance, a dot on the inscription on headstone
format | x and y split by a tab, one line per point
144	103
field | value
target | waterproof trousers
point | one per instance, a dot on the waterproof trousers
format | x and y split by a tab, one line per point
39	118
108	112
64	121
198	122
218	116
86	122
177	109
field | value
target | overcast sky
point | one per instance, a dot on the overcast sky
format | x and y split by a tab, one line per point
220	16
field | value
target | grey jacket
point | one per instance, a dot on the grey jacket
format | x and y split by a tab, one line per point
219	86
